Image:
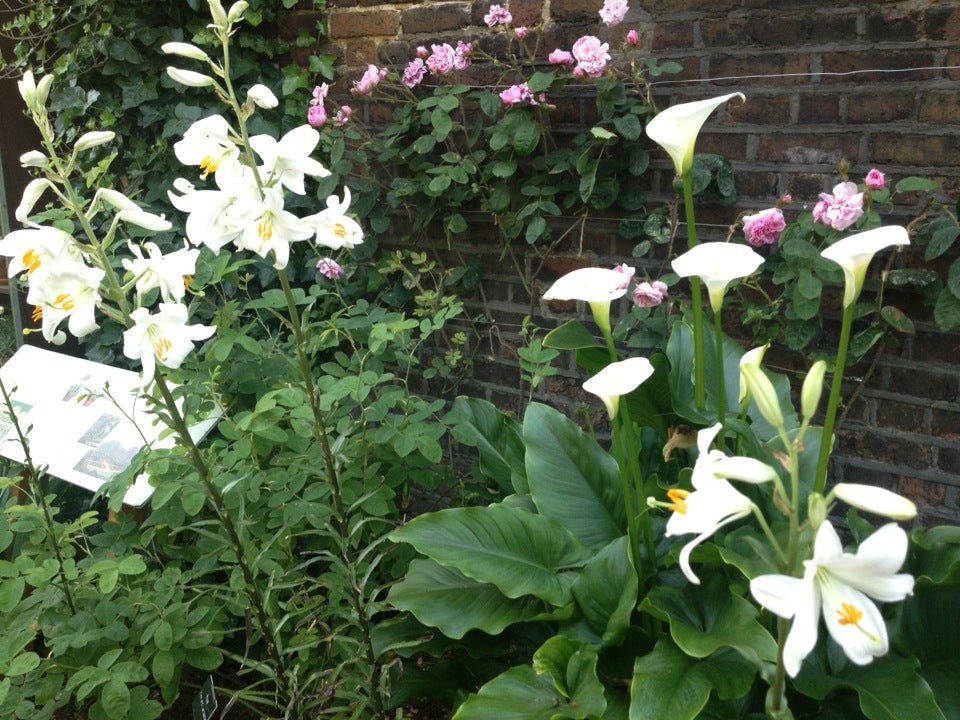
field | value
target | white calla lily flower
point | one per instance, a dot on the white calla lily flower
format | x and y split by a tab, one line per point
589	285
618	378
840	585
877	500
717	264
676	128
162	337
855	252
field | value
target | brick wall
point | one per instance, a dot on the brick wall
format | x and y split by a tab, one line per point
872	83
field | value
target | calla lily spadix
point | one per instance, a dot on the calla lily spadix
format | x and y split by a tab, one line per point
854	254
840	585
717	264
676	128
618	378
714	502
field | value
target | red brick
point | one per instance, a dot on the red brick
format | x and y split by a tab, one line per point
880	107
942	23
818	108
939	108
856	66
922	492
668	35
791	69
435	17
918	150
893	24
363	23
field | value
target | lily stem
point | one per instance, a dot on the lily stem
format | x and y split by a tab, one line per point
826	439
699	387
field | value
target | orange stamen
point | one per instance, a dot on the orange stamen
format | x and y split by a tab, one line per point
677	496
849	614
31	260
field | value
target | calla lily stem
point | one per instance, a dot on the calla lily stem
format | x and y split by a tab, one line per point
699	388
826	440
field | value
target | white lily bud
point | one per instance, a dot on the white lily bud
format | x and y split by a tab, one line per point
262	96
875	500
190	78
817	509
236	11
93	139
744	469
31	193
148	221
812	389
43	90
28	89
185	50
217	12
763	394
116	199
35	159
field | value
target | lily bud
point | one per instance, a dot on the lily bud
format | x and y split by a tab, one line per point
93	139
763	394
217	12
190	78
185	50
28	89
148	221
35	159
817	509
875	500
753	358
236	11
262	96
31	193
812	389
116	199
43	90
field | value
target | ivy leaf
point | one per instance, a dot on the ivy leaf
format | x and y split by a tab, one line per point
946	311
897	319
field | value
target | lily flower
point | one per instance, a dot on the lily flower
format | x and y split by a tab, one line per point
333	228
163	337
69	291
288	159
157	270
717	264
714	502
37	249
676	128
267	228
207	144
840	585
751	358
618	378
877	500
31	194
854	254
596	286
210	213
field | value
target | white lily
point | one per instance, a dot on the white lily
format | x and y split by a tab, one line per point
676	128
877	500
93	139
69	291
334	229
618	378
156	270
714	502
31	194
717	264
596	286
209	212
750	358
840	585
267	228
288	159
208	144
37	250
163	337
145	220
262	96
854	254
185	50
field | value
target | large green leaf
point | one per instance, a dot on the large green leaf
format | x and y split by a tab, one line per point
517	551
571	335
606	593
572	479
667	683
496	436
444	598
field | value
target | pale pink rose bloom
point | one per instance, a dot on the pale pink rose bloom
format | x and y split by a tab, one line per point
764	228
422	52
329	268
560	57
316	115
512	95
875	180
591	55
365	85
632	37
441	59
786	199
627	273
520	32
649	294
497	16
319	93
343	114
461	56
840	210
414	73
613	12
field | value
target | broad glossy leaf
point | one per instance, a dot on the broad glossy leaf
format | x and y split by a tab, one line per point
572	479
496	436
519	552
571	335
444	598
606	593
668	684
519	694
573	666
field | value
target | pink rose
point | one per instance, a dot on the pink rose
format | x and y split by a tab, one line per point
497	16
319	93
316	115
613	12
591	55
520	32
461	56
764	228
875	180
840	210
632	37
627	273
649	294
422	52
365	85
343	114
786	199
560	57
516	94
442	59
414	73
329	268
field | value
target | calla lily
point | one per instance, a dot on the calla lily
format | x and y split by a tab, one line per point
717	264
714	502
875	500
618	378
753	358
596	286
761	390
840	585
854	254
163	337
676	128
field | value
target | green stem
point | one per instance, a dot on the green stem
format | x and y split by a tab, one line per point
721	379
826	438
699	387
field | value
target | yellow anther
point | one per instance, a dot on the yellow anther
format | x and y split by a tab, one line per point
678	497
